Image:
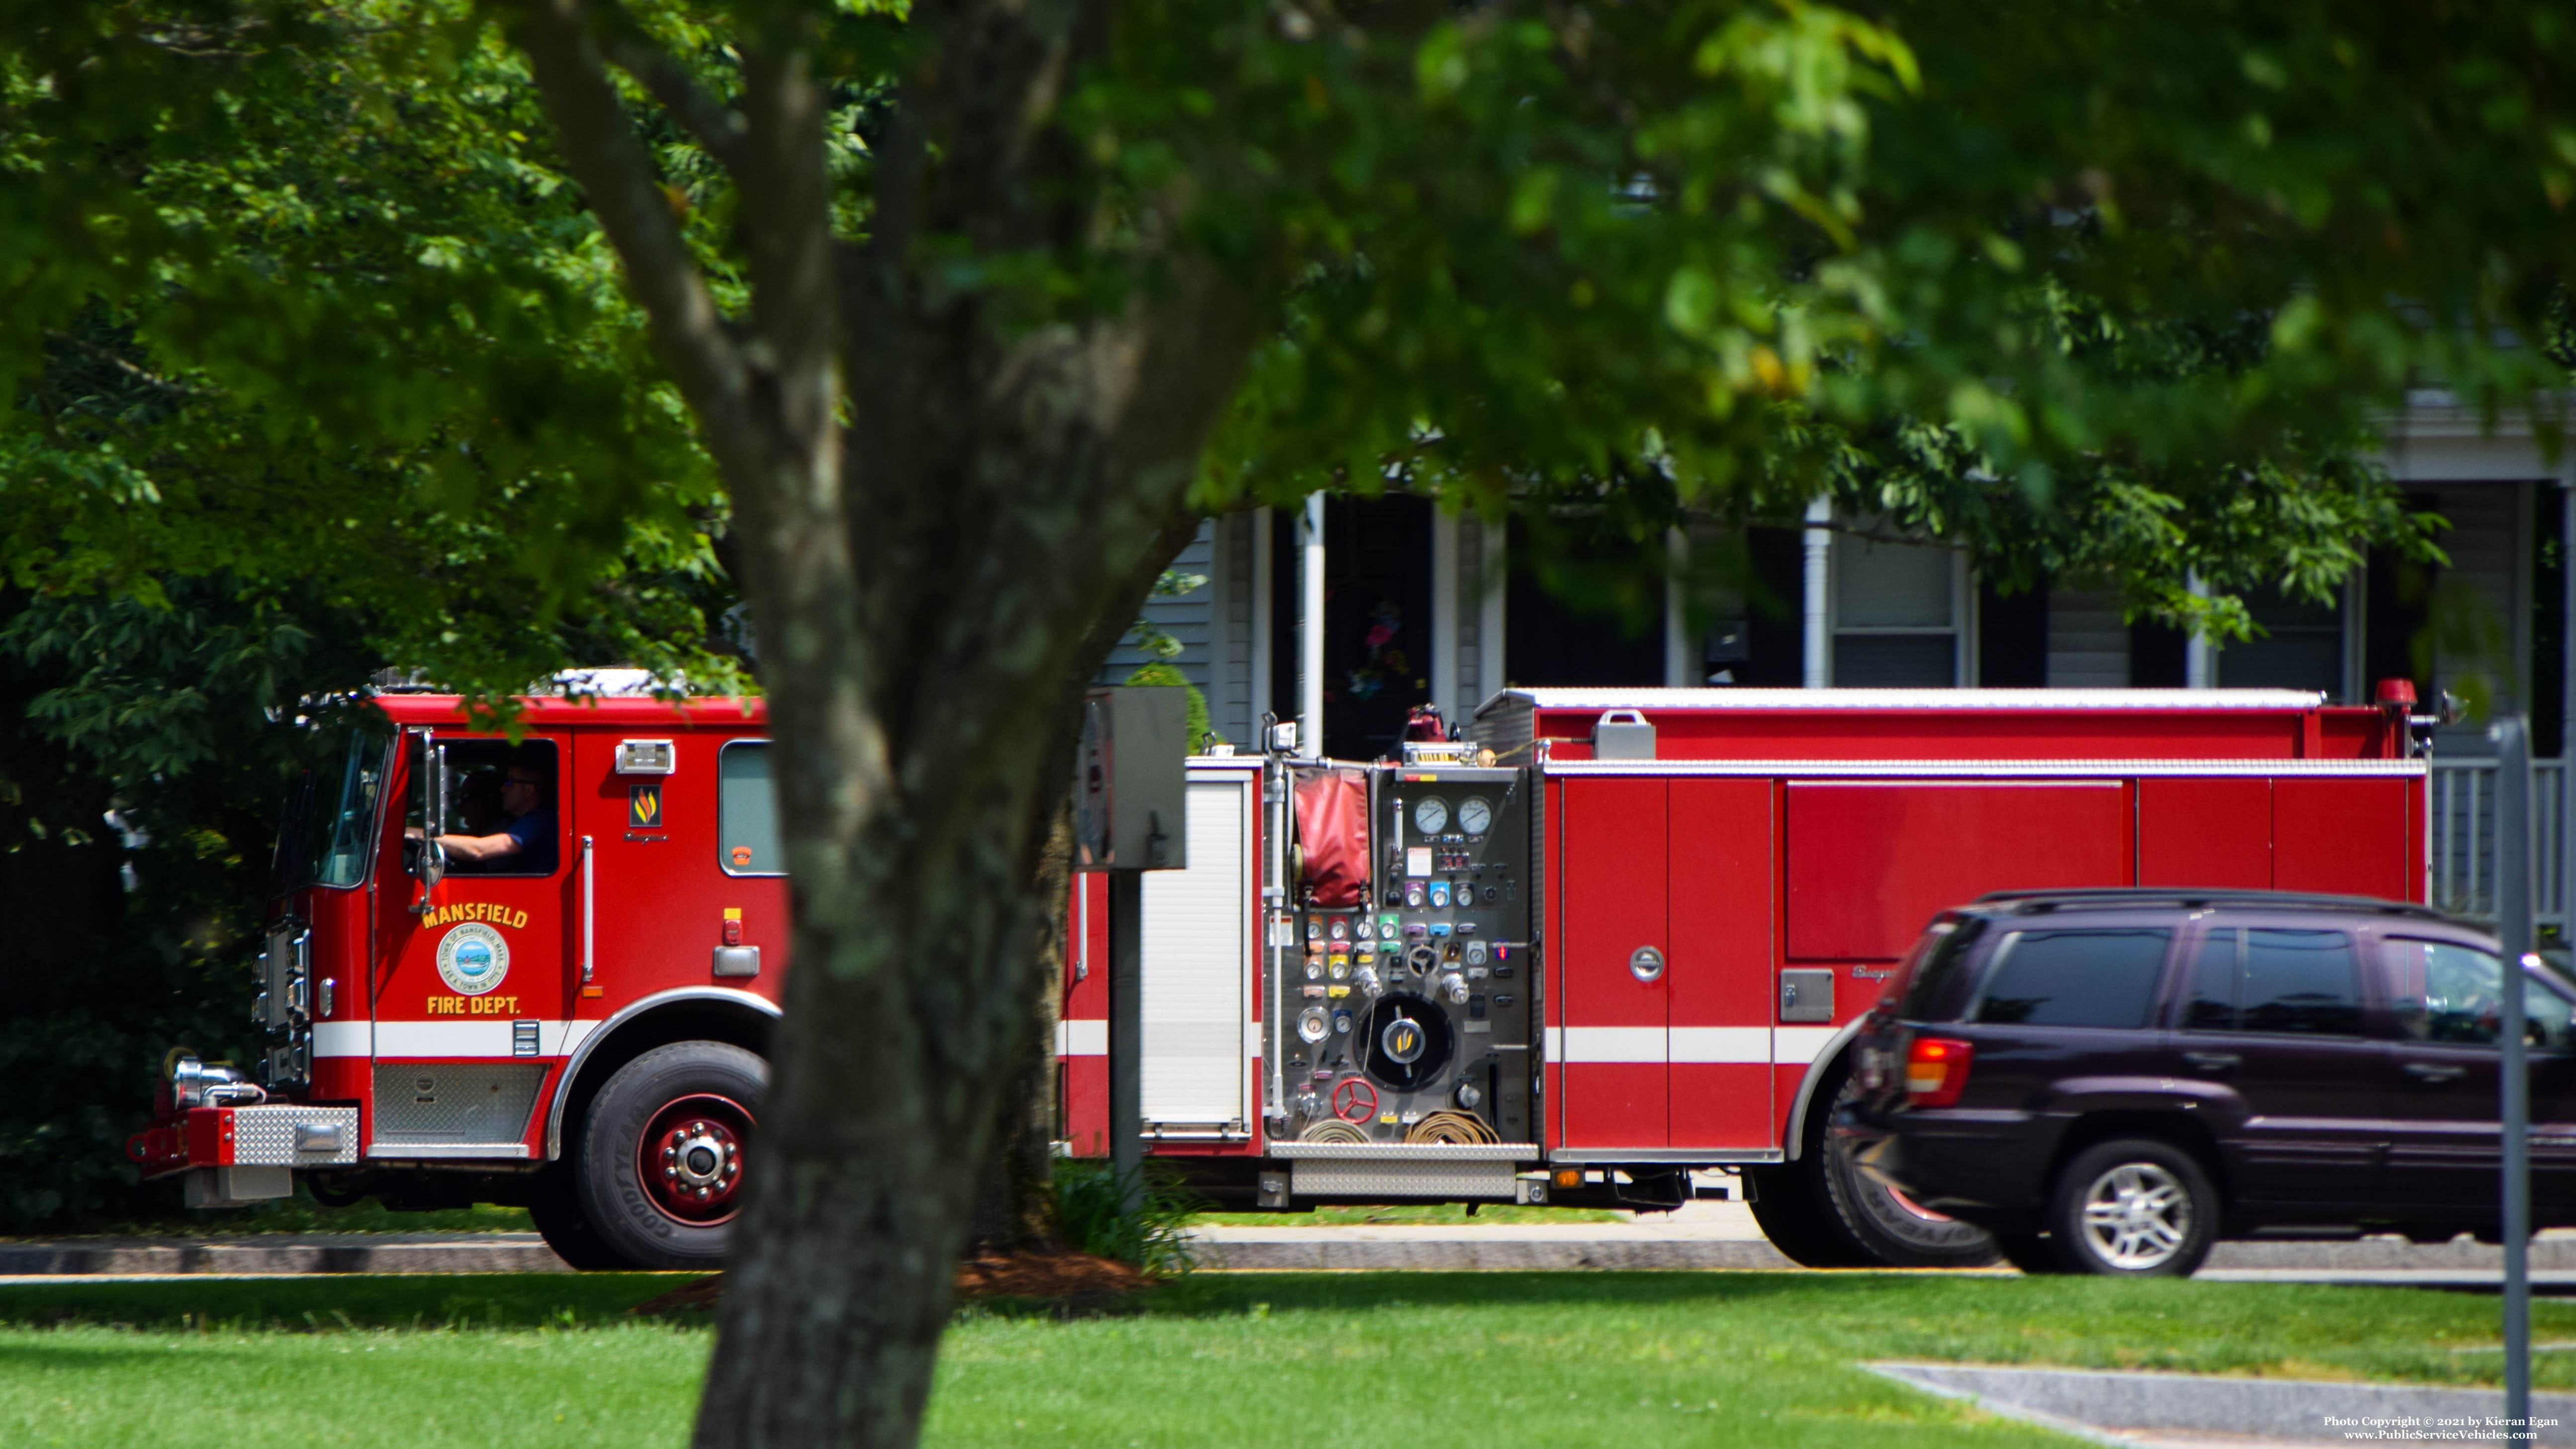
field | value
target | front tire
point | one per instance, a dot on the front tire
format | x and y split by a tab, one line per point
555	1208
2133	1208
664	1154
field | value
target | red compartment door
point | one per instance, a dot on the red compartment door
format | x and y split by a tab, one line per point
1609	1030
1720	982
1871	861
2206	832
2345	836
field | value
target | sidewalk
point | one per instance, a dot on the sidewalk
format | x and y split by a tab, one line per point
1701	1235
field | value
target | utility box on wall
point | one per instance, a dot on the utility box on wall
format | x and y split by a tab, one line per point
1130	789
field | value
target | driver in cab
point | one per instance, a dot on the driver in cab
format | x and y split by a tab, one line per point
527	844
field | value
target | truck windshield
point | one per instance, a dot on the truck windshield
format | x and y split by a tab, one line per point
327	832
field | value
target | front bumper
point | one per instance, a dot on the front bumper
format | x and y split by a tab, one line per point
235	1155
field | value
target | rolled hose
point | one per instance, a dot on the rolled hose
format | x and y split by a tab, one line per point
1332	1130
1453	1129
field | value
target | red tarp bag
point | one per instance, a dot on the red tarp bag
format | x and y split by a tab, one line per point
1332	830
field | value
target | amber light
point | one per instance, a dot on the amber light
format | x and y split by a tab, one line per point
1936	1070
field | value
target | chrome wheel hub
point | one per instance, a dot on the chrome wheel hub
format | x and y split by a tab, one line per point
2136	1216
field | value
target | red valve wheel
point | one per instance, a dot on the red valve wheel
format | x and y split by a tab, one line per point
1354	1100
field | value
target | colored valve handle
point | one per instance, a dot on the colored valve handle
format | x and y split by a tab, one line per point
1354	1100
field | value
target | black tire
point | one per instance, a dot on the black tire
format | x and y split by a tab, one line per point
2135	1207
555	1206
2032	1253
1889	1228
698	1103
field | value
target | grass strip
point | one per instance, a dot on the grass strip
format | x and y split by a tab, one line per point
1241	1360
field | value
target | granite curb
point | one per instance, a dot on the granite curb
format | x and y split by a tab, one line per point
2134	1408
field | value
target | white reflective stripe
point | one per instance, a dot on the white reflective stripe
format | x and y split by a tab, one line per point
1720	1043
487	1038
1798	1045
1082	1038
1978	772
1607	1043
344	1039
1252	1039
443	1038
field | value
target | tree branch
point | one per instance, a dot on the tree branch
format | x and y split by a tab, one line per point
609	161
715	125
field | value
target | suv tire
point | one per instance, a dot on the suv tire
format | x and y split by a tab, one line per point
1821	1211
1885	1225
661	1167
2132	1208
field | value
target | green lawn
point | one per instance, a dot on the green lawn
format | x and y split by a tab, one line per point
1238	1360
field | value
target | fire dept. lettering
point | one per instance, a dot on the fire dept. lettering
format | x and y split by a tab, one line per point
475	911
472	1006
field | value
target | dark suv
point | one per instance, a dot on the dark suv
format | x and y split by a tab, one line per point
2111	1080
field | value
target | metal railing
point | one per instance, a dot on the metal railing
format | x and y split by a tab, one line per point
2463	840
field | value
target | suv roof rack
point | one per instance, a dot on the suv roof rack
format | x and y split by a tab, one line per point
2114	896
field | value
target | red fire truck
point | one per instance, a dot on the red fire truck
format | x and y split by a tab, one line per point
1611	939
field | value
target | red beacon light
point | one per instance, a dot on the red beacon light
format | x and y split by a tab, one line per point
2395	694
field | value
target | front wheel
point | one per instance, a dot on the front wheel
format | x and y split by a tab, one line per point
665	1152
2134	1208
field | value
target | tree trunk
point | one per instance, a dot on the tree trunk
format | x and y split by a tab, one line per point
932	588
1014	1206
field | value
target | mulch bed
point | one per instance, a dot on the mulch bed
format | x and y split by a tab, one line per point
1068	1277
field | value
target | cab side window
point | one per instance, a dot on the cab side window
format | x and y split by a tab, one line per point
497	788
2454	995
2265	979
747	811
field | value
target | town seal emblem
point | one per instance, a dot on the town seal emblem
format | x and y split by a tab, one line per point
473	958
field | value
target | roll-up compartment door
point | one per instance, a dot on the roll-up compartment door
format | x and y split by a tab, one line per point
1198	970
2348	836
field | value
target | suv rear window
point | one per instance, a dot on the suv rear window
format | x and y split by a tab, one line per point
2075	978
1929	993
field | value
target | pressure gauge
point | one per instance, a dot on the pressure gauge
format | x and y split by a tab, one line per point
1475	817
1312	1025
1430	814
1314	969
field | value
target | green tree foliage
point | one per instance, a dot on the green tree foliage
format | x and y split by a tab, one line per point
313	373
973	304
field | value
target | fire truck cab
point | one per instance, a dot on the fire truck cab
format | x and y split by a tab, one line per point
574	1024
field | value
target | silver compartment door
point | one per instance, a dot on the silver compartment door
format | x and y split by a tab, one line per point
1198	969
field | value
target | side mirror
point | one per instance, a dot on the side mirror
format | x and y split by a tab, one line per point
425	857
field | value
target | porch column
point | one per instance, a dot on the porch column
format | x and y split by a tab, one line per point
1310	627
1819	645
1444	615
2199	651
1264	537
1681	661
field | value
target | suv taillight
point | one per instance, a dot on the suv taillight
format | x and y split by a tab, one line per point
1936	1070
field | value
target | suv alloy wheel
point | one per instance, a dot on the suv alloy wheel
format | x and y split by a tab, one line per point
2132	1208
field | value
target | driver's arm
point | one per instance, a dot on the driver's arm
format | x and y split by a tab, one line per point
480	847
